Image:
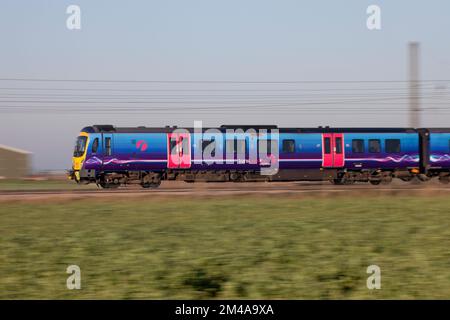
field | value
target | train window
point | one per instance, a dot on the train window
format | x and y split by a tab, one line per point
173	145
206	143
80	146
289	146
235	146
185	147
240	146
358	146
95	145
230	146
327	146
392	145
374	146
338	145
264	146
108	146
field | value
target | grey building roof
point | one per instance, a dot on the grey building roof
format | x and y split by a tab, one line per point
12	149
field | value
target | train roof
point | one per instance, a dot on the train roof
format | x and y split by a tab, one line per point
439	130
326	129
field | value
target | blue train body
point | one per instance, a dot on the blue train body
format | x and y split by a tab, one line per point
439	150
112	156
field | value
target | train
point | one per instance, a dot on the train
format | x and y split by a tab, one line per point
114	156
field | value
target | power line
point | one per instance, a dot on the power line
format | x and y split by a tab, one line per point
218	90
344	100
214	81
268	107
183	96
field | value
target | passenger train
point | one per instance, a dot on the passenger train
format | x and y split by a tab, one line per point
112	156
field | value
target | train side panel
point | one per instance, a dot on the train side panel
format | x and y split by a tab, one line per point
129	152
300	151
94	157
439	149
381	151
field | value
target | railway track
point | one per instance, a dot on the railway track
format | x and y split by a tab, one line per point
218	189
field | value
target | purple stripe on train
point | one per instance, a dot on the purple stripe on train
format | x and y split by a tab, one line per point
439	157
404	158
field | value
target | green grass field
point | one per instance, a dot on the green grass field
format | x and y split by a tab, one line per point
243	247
22	185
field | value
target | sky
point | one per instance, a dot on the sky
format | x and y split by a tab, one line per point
156	63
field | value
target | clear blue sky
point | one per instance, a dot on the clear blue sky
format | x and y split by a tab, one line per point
252	40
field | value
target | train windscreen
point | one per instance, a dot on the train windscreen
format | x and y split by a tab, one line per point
80	146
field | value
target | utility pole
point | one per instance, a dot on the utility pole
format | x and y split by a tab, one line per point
414	98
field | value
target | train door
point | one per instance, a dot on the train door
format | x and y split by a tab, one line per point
178	150
327	146
333	150
338	150
107	147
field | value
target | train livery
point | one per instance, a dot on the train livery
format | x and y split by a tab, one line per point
112	156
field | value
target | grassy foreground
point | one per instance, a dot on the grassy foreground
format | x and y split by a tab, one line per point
246	247
26	185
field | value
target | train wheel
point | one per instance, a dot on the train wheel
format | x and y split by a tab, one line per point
343	181
105	185
337	182
151	185
151	181
375	182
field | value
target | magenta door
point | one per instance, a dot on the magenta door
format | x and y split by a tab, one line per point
338	150
333	155
178	150
327	147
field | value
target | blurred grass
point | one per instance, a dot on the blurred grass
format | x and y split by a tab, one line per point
22	185
244	247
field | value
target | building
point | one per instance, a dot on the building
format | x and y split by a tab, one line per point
14	163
